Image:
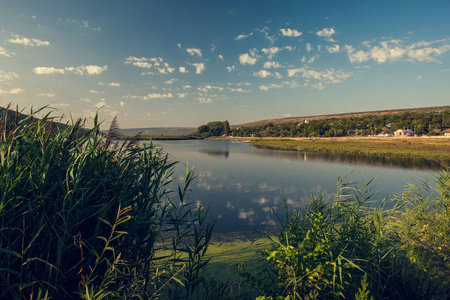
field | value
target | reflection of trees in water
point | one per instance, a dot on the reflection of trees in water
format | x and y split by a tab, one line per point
378	161
224	153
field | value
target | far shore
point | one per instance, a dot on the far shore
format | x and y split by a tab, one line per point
426	147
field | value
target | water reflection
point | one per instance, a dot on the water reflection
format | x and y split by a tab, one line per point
356	159
243	189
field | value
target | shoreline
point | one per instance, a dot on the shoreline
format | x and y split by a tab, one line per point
431	148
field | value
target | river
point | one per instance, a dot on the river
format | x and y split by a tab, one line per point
242	184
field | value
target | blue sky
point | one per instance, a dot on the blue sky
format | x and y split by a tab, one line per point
185	63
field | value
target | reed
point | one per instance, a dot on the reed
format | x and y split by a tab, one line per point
355	247
81	217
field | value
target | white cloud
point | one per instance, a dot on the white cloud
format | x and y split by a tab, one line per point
182	95
243	36
308	47
327	76
262	74
311	60
318	86
48	95
271	64
194	51
48	70
94	92
220	57
204	100
165	69
84	24
213	47
90	70
424	54
287	115
4	76
270	52
179	46
143	62
122	103
100	104
182	70
61	105
159	96
327	33
95	70
185	87
303	59
278	75
28	42
290	32
86	100
419	77
207	88
171	81
236	90
12	91
270	86
231	68
391	51
249	58
115	84
199	67
333	49
5	52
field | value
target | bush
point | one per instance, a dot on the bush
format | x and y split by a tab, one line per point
355	248
82	218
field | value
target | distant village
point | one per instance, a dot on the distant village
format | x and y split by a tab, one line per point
404	124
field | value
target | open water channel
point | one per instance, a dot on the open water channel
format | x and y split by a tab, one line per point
242	184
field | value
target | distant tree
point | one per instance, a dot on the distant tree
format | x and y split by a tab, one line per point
226	127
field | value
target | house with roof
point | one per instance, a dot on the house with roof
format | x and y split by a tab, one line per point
446	132
404	132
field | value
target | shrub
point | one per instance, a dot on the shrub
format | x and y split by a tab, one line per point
355	248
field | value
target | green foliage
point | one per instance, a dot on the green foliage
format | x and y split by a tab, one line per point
347	247
82	218
423	231
214	129
419	122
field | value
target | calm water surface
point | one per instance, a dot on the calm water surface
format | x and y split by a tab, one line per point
242	184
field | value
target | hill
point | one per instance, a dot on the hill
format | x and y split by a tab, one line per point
158	131
343	115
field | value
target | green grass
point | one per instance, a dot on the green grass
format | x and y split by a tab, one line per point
427	148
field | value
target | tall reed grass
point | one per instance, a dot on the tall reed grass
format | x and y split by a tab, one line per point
355	247
83	218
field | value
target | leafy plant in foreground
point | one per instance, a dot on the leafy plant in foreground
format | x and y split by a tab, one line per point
83	218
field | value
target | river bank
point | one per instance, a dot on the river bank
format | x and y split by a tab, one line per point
431	148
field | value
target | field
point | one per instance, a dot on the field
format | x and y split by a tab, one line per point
411	147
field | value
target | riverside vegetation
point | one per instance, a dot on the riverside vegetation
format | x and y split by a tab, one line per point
82	218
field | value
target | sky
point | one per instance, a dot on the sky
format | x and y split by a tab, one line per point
161	63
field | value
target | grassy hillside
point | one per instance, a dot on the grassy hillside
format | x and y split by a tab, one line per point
343	115
158	131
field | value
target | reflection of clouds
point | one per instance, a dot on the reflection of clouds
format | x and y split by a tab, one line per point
267	209
229	205
243	214
239	187
264	188
206	180
291	190
260	200
269	222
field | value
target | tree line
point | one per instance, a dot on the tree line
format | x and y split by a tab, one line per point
421	123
